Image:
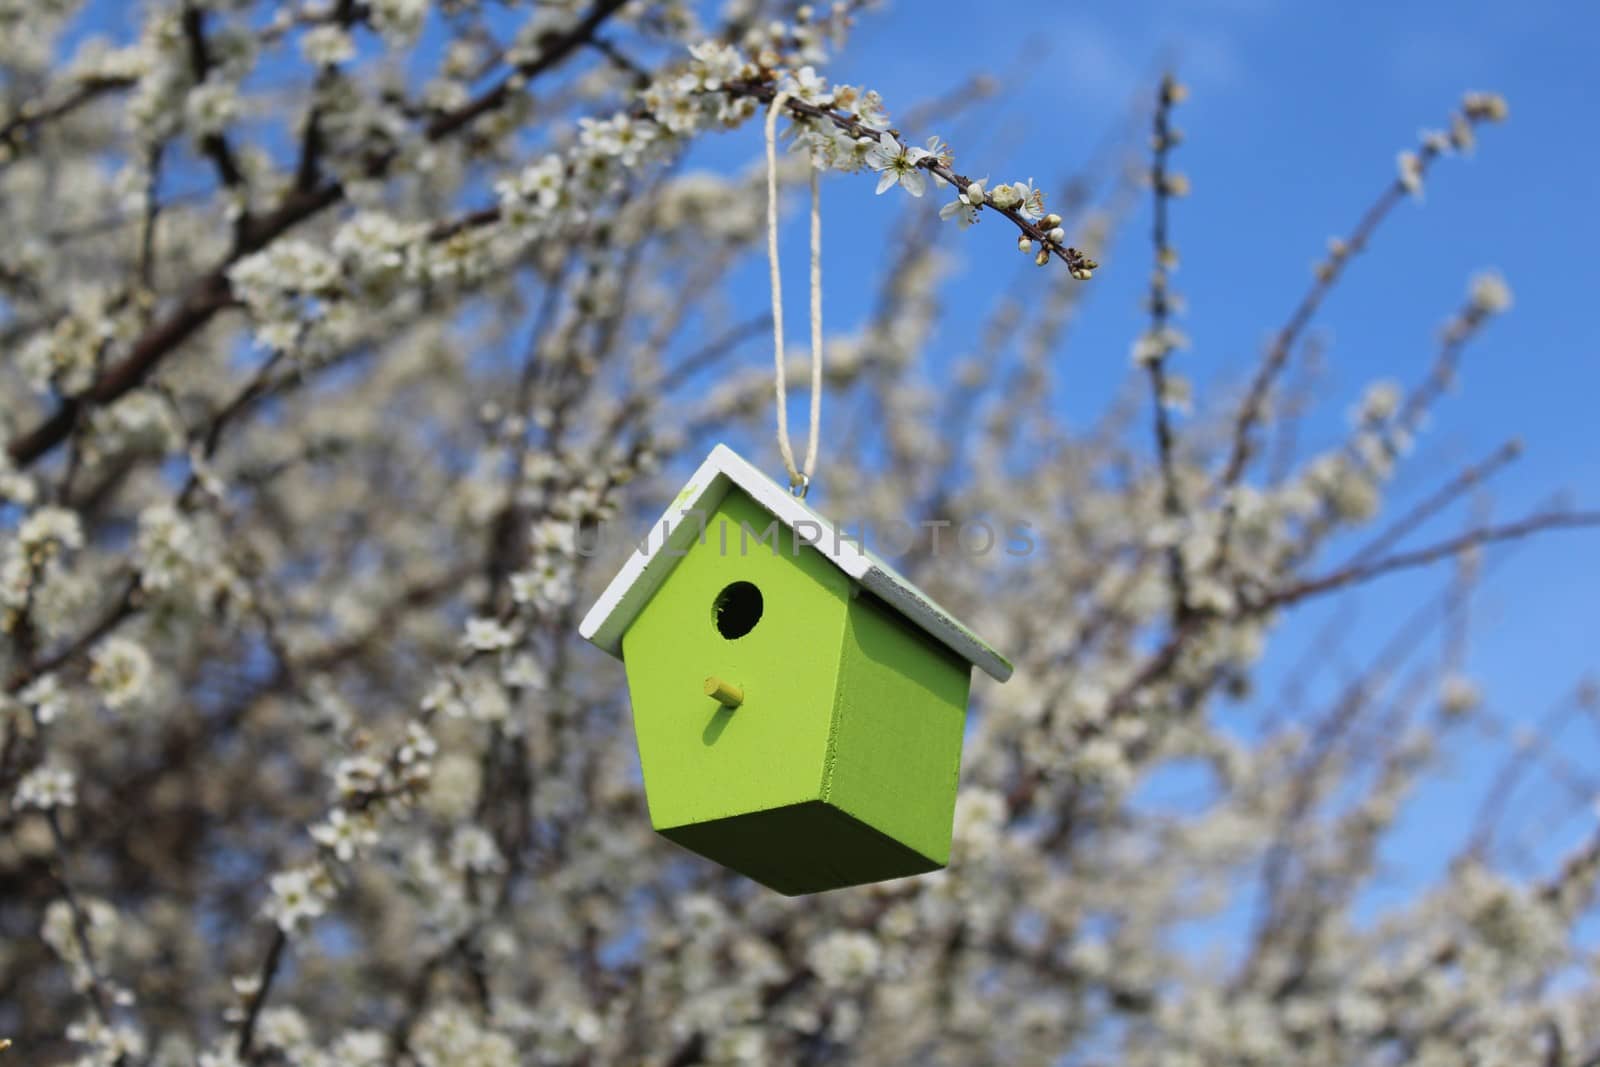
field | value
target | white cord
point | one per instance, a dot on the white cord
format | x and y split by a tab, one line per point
799	476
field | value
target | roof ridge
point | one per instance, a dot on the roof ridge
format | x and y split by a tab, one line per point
648	566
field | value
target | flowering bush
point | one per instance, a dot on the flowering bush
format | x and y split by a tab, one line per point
337	327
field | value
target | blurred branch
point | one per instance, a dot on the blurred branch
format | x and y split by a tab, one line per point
1164	138
211	293
1414	170
1357	573
1437	501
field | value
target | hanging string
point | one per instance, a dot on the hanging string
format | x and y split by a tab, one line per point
799	476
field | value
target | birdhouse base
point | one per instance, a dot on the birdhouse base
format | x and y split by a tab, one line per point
802	848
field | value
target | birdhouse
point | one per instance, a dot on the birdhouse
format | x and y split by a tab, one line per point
799	706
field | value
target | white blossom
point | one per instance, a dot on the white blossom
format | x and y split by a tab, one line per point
897	164
532	197
169	548
48	530
715	64
376	251
1379	403
357	776
1021	196
1156	345
870	110
449	1035
1458	695
524	672
226	1054
472	849
964	208
284	1029
980	818
547	584
111	1043
45	697
399	20
487	635
1409	165
121	670
345	835
60	931
620	136
46	788
299	895
1490	293
1489	107
845	959
419	746
211	106
327	46
807	85
15	486
453	790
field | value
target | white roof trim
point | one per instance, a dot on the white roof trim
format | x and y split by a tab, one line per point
648	566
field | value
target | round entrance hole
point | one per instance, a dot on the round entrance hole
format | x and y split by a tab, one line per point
736	610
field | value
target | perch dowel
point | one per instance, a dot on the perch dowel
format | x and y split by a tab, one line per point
725	693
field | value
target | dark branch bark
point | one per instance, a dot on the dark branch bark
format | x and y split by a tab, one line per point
211	293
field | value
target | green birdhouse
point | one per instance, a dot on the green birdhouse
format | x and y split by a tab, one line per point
799	706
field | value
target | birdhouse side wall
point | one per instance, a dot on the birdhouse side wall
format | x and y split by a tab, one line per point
899	715
702	761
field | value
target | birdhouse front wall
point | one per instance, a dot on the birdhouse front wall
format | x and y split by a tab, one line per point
703	761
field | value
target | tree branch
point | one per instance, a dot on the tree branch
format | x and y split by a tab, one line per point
1363	572
1160	343
211	293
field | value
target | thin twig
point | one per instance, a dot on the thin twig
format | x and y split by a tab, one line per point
553	51
1080	265
99	998
1357	573
1164	138
1497	798
1327	276
34	113
214	144
1440	499
258	995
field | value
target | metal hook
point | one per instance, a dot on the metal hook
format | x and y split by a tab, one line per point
799	485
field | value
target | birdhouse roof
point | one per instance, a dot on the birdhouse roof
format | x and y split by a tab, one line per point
649	565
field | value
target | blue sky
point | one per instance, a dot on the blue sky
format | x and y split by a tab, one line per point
1296	114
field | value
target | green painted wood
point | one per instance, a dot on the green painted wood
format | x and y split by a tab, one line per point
702	761
802	848
898	718
839	767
